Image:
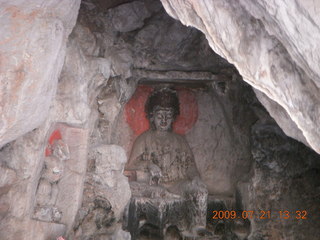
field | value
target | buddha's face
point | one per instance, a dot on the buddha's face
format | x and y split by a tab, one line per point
162	118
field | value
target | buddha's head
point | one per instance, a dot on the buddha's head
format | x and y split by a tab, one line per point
162	108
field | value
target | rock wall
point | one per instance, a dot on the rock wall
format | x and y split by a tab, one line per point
32	55
220	138
106	194
41	188
286	183
34	36
270	43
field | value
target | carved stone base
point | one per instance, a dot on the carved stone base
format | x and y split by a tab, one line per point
154	213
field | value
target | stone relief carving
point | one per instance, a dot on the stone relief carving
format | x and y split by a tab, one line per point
165	183
48	187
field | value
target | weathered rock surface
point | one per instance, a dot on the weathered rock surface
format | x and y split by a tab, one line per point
220	138
106	194
129	17
25	157
32	48
281	116
22	165
270	43
82	75
286	178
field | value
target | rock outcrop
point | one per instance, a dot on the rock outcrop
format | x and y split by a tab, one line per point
274	46
32	48
106	194
285	183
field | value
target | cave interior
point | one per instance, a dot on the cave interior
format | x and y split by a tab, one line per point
65	177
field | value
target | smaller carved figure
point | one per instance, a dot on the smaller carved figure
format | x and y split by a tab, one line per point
155	174
48	187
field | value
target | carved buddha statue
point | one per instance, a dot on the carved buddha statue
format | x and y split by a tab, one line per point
162	164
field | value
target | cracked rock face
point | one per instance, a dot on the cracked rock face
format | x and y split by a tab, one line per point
275	47
283	182
32	49
106	193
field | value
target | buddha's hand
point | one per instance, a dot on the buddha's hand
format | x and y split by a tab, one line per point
155	174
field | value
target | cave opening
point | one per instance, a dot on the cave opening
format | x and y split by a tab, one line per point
66	178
